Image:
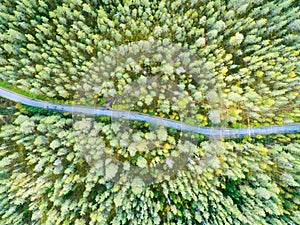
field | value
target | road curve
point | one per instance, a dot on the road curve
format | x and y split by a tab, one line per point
102	111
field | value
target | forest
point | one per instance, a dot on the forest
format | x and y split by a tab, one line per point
221	64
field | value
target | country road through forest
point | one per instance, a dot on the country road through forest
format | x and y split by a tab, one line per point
102	111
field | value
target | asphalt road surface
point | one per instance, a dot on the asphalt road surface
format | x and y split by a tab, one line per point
102	111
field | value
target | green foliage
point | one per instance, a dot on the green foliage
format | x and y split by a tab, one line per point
217	63
47	179
58	49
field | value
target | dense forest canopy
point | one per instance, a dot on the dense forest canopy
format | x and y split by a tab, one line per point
206	63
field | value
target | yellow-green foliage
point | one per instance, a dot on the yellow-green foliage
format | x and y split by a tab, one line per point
46	179
239	67
248	50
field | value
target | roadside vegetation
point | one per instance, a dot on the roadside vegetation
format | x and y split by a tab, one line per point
206	63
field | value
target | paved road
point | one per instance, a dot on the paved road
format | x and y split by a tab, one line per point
102	111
